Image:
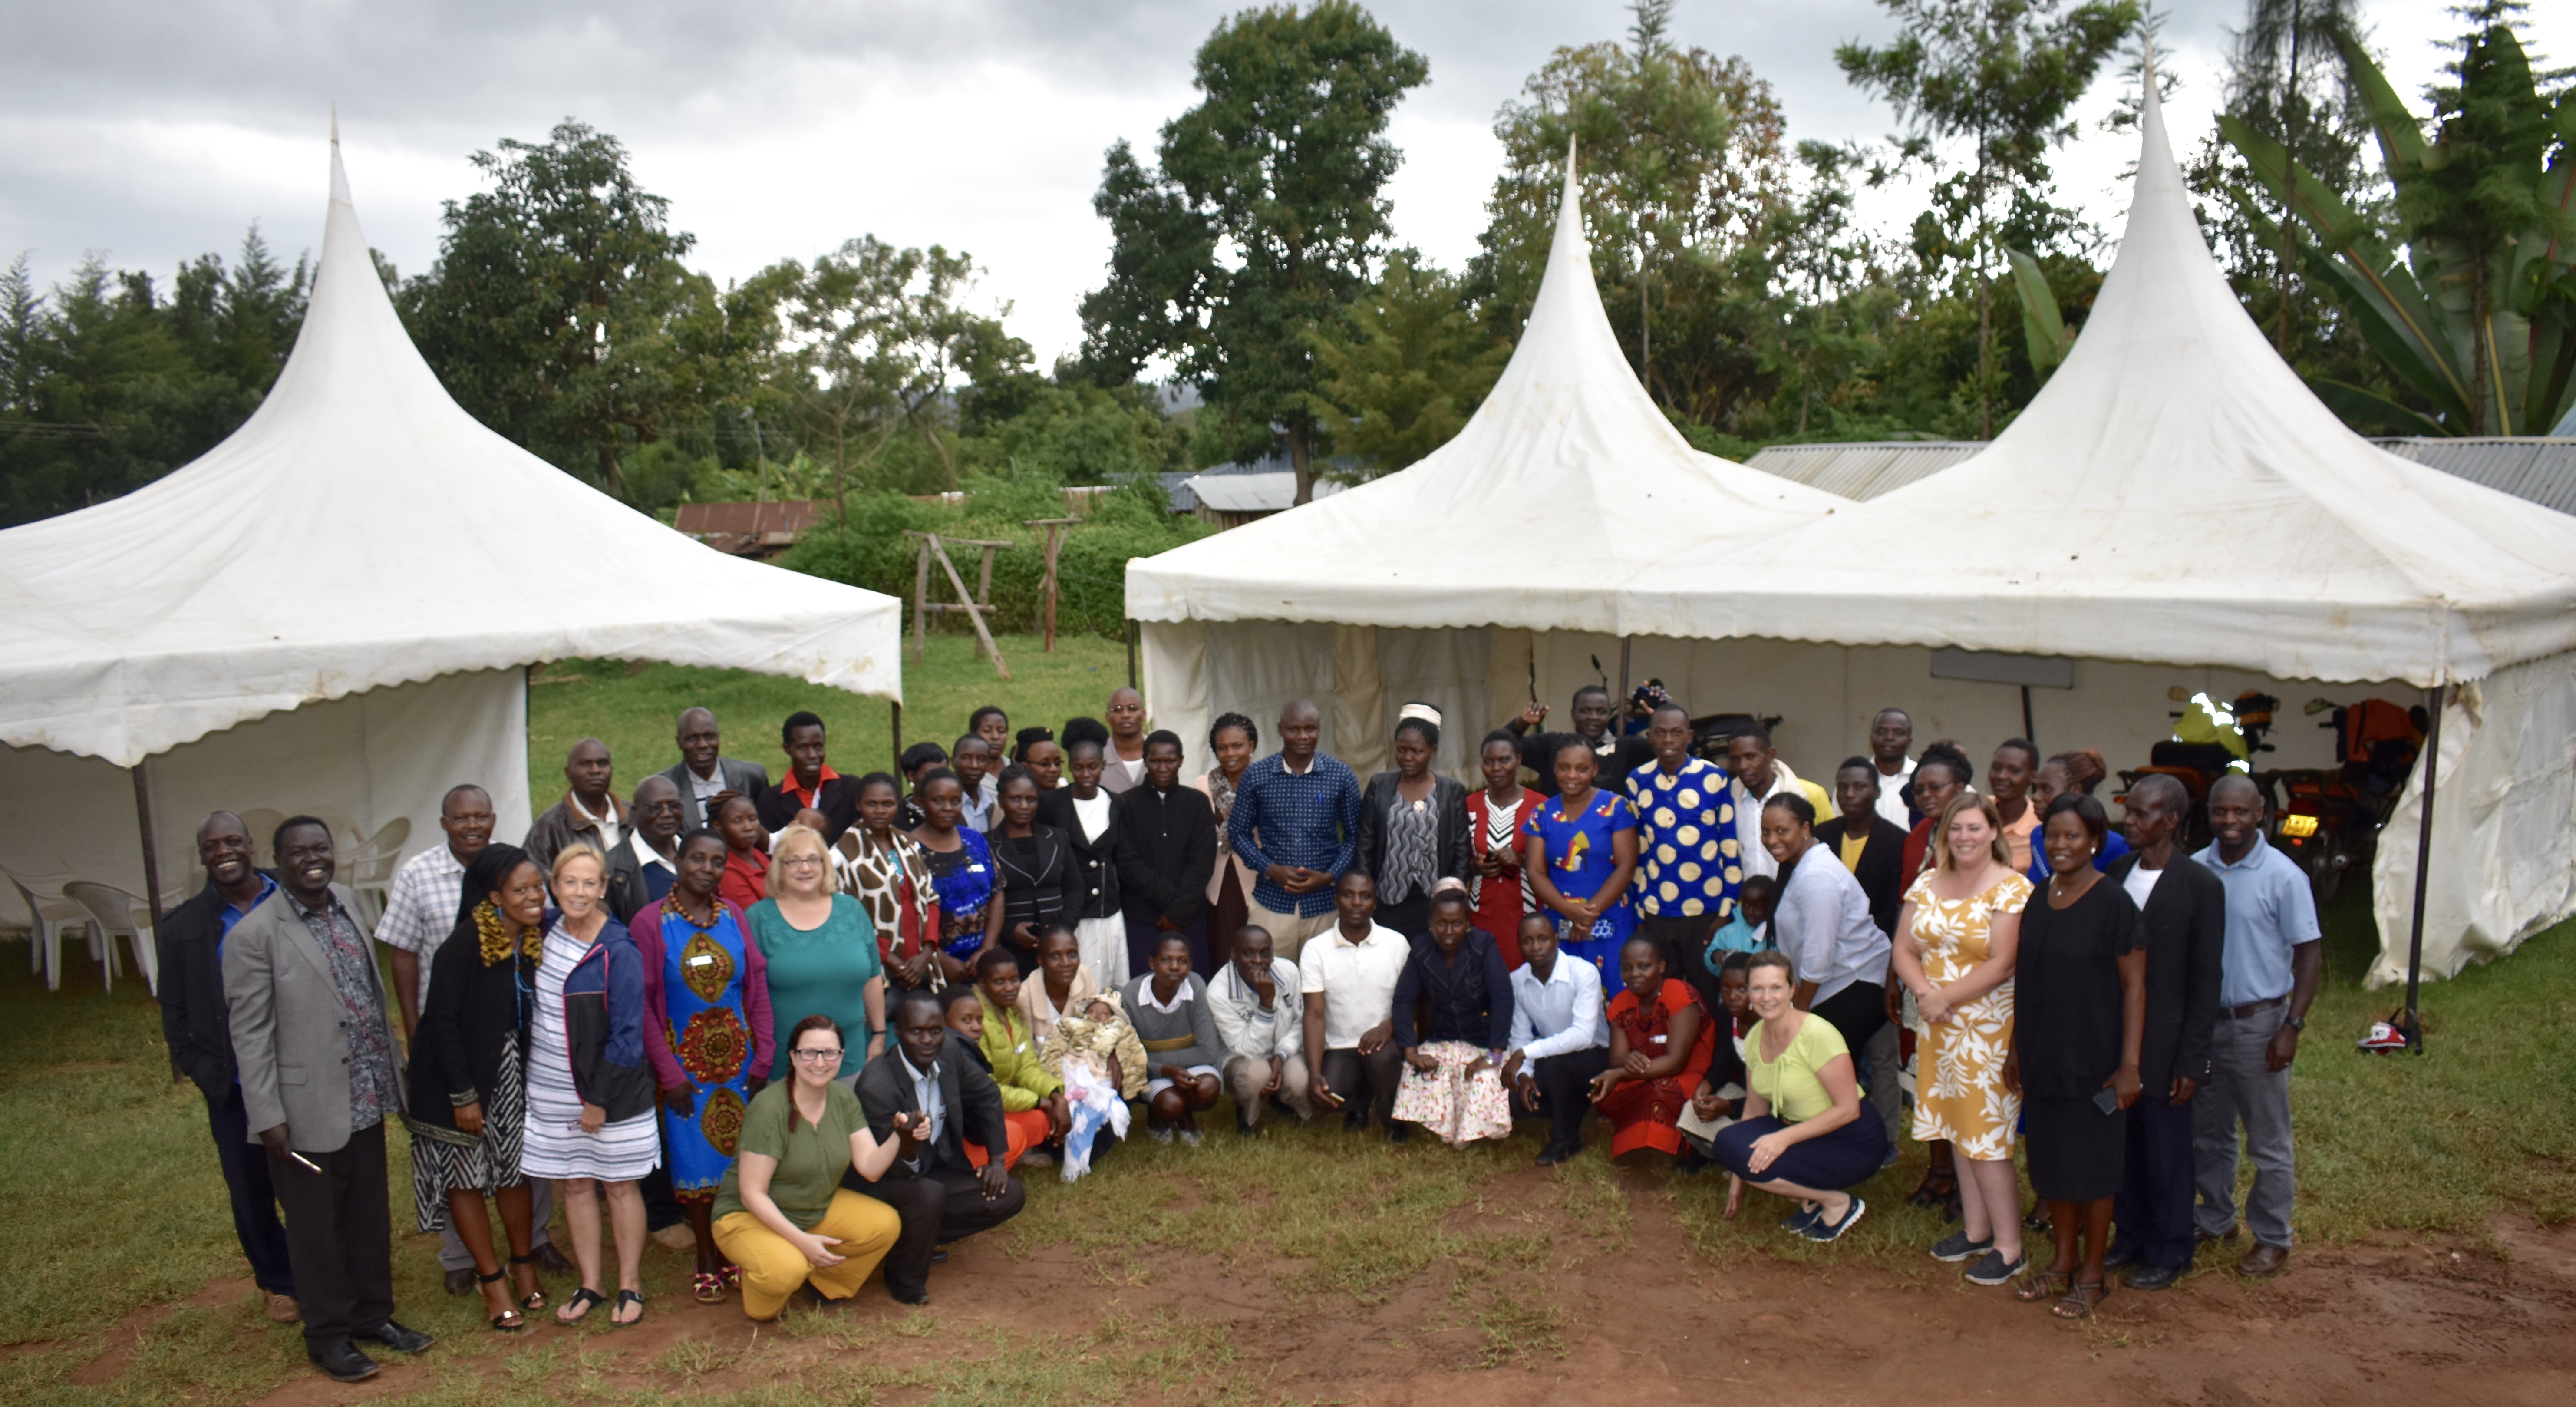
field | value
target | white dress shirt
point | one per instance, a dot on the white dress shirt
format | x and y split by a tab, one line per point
1560	1015
1891	795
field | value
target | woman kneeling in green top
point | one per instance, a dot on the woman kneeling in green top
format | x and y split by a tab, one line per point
782	1214
1805	1132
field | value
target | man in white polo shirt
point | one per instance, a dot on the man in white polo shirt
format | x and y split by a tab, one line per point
1349	976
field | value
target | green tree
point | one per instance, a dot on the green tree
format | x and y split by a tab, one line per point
2479	318
1681	164
1407	367
2001	76
1259	225
559	312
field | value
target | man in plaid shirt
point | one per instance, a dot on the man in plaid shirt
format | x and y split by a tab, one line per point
1296	817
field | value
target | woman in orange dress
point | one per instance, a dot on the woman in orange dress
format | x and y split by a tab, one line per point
1661	1041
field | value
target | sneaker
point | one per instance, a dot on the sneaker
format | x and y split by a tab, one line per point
1037	1158
1956	1247
1995	1270
1192	1137
1799	1220
1818	1230
1161	1135
1890	1160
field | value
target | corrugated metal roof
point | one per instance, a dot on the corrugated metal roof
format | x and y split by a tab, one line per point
1863	469
2542	470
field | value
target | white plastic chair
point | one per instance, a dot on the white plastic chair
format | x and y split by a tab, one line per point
115	913
46	920
368	870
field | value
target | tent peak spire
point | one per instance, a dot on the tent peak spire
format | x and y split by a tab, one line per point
339	173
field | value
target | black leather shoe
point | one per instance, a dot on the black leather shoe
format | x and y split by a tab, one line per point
908	1296
938	1257
1399	1133
1354	1119
2121	1258
396	1337
2154	1277
344	1363
1552	1155
460	1282
552	1261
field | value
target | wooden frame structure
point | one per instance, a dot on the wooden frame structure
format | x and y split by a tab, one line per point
1047	589
974	605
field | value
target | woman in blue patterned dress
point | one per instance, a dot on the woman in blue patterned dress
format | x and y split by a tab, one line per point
961	869
1581	849
706	1029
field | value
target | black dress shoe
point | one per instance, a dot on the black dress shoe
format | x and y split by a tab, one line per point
2121	1258
552	1261
396	1337
1552	1155
344	1363
461	1282
1354	1119
2154	1277
1399	1133
908	1296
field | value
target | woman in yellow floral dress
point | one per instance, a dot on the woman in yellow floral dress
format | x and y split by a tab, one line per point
1962	919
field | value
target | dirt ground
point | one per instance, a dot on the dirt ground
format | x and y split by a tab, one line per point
1652	1321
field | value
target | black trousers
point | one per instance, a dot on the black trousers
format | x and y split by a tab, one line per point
2152	1212
1144	935
1684	944
661	1206
245	1165
1410	917
1564	1093
1365	1081
340	1238
938	1206
1857	1011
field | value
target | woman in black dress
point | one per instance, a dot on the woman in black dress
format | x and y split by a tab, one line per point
2080	1004
1034	867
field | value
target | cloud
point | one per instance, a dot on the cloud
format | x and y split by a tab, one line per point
156	132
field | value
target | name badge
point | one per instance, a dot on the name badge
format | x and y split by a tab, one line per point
1655	1040
702	960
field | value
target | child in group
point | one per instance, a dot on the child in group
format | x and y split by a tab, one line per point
1102	1063
1033	1101
1749	931
1023	1122
1719	1101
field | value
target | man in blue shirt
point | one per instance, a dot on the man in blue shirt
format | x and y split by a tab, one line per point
1296	818
1685	884
195	1026
2268	975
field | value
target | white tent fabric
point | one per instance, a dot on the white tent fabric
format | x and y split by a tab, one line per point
1565	473
361	533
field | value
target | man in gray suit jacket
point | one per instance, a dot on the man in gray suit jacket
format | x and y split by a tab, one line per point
320	1074
704	775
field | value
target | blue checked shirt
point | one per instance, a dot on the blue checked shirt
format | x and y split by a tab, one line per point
1684	820
1289	818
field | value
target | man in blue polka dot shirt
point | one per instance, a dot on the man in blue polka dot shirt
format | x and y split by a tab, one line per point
1687	865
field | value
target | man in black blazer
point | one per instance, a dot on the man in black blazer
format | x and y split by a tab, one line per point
1166	852
810	782
940	1196
195	1026
704	775
2185	911
1881	865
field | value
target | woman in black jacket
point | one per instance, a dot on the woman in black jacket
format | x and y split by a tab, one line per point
1413	827
468	1082
1034	871
1167	853
1087	814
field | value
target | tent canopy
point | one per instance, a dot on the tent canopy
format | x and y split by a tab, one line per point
2174	494
1564	474
360	531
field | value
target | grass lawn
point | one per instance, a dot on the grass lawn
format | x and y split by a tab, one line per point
117	1207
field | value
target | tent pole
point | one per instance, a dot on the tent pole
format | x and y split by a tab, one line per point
1619	718
2029	729
894	725
151	847
2423	863
1132	629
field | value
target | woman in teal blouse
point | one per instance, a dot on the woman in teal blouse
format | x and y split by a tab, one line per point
822	951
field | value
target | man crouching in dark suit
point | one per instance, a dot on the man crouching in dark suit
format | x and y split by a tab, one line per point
940	1196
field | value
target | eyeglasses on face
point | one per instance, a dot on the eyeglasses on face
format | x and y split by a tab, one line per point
813	1056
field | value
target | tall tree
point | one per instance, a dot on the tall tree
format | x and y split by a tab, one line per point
2001	76
2285	78
1681	162
1259	226
2479	317
1411	367
557	312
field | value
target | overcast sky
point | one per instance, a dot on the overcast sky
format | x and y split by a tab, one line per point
154	132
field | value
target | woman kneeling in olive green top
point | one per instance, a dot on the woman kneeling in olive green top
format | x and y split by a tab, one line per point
782	1214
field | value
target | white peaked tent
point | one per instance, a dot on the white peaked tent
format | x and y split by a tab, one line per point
2175	507
330	611
1427	583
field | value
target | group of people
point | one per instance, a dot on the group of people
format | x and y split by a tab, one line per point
809	1029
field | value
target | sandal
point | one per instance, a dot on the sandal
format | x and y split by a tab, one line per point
535	1299
508	1321
732	1277
1937	1188
708	1287
2042	1284
2081	1300
625	1298
577	1308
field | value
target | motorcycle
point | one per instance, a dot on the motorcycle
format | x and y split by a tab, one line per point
2210	739
2328	819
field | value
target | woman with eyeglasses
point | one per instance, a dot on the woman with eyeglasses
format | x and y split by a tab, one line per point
822	950
782	1213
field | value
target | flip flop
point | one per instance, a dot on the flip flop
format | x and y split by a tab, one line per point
625	1298
577	1308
